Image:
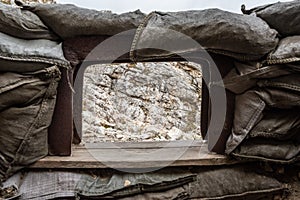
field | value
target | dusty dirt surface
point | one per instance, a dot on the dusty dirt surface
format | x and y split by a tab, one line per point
289	176
295	191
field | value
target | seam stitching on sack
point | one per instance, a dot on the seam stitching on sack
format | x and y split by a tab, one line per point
271	61
283	85
267	159
52	61
244	193
137	36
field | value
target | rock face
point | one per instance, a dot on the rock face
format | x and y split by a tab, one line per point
142	102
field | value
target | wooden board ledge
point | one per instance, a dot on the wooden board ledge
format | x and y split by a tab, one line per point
136	155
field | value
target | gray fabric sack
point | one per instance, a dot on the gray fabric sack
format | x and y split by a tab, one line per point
27	103
119	185
68	20
29	55
279	124
282	16
43	185
246	75
23	24
235	182
268	150
241	36
288	51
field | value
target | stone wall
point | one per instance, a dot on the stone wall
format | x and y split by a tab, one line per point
142	102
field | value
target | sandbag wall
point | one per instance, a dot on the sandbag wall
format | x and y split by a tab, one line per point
266	122
261	66
36	80
265	76
30	61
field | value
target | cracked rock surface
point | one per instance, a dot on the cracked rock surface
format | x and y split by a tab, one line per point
142	102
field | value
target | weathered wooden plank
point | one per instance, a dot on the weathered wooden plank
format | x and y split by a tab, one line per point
135	155
144	145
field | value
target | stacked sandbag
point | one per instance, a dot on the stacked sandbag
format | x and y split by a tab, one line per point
239	36
30	60
27	44
68	20
282	16
217	183
23	24
27	102
21	55
210	183
266	121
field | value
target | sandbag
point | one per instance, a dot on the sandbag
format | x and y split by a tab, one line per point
29	55
119	185
223	183
68	20
43	184
245	75
241	36
279	124
268	150
288	51
282	16
232	183
27	103
281	92
277	93
23	24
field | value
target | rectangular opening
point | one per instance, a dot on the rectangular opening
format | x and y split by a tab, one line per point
142	102
110	148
